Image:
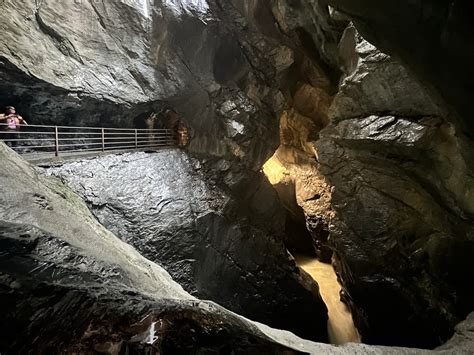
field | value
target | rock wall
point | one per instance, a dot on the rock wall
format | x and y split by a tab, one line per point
380	168
402	231
76	288
228	68
165	206
387	191
209	61
432	38
129	61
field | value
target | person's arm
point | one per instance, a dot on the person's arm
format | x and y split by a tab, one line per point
22	121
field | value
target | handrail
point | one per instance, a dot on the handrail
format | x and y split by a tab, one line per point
96	128
37	140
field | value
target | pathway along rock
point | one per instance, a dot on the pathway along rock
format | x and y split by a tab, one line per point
341	326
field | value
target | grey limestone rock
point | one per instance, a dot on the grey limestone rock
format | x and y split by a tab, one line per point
402	186
169	212
432	38
75	287
377	84
394	156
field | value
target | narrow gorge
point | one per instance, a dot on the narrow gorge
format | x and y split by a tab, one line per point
323	201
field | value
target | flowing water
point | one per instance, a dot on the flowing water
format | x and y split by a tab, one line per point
341	326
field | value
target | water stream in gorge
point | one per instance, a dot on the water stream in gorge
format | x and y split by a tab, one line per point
341	326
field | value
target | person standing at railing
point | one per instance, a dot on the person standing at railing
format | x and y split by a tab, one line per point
183	134
150	123
12	123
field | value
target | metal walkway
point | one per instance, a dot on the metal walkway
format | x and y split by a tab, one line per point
49	143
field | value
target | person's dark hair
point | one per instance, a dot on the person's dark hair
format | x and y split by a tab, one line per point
8	108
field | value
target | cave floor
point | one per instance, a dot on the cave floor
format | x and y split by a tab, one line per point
341	327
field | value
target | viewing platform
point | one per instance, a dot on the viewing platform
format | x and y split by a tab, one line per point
42	143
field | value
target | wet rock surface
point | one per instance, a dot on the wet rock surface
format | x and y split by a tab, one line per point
432	38
225	66
402	229
209	61
411	244
77	288
386	186
163	206
136	57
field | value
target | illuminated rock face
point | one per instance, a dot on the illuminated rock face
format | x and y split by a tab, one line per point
70	285
386	190
134	58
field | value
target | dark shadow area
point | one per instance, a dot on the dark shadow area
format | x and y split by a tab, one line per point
298	239
230	63
139	121
301	310
313	52
41	103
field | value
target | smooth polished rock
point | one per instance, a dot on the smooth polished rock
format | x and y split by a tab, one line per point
432	38
375	83
169	211
398	232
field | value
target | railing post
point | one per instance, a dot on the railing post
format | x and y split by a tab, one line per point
136	139
56	141
103	140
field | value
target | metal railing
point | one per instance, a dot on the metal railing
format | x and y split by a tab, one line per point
62	140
